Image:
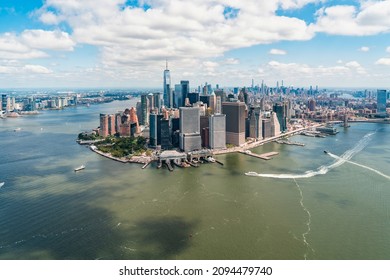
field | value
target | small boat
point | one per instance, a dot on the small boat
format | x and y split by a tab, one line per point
251	173
210	159
2	184
79	168
326	152
17	129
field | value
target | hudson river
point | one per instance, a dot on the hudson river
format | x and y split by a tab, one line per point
303	204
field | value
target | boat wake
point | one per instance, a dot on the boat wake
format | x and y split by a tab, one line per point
322	170
361	165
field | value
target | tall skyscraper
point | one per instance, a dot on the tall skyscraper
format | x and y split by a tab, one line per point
178	100
157	101
381	101
4	102
168	100
185	89
281	111
107	125
217	132
190	138
235	122
155	129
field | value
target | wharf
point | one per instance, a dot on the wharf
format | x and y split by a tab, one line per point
287	142
266	156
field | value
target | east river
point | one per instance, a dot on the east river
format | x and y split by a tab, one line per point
303	203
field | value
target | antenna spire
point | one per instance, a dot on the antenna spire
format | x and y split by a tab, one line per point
166	63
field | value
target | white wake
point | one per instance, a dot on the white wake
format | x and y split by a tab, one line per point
324	168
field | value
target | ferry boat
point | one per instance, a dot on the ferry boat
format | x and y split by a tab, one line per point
328	130
251	173
79	168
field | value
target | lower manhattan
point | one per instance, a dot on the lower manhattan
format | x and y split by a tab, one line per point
194	130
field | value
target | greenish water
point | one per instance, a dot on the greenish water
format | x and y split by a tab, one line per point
112	210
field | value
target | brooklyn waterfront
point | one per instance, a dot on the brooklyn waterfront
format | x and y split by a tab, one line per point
302	204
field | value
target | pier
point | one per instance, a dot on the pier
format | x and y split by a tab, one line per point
266	156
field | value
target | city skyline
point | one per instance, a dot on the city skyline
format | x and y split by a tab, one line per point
57	43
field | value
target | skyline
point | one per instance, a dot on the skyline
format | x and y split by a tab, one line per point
58	43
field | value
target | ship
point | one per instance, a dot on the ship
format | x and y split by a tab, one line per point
2	184
326	152
81	167
328	130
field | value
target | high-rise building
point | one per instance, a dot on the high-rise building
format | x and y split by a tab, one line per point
166	134
255	124
185	90
381	101
107	125
312	105
193	97
217	131
155	130
218	105
275	125
267	129
157	101
190	138
144	110
4	102
178	97
281	111
212	102
235	122
168	98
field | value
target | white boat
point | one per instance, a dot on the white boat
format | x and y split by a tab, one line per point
2	184
251	173
210	159
79	168
17	129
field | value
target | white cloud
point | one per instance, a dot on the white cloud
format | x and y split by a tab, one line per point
364	49
277	52
173	29
372	17
353	64
232	61
37	69
12	48
383	61
52	40
388	49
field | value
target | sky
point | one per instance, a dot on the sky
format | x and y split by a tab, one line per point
119	43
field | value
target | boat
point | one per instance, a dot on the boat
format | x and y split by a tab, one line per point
251	173
81	167
326	152
210	159
17	129
328	130
2	184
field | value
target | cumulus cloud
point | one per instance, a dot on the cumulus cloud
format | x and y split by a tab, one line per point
174	29
383	61
364	49
371	17
11	47
277	52
52	40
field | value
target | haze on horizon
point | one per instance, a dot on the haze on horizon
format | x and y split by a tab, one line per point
124	44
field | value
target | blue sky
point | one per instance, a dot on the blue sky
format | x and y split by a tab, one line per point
119	43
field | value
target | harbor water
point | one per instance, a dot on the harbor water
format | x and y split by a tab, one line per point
302	204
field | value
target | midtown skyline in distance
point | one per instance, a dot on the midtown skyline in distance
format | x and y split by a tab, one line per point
125	44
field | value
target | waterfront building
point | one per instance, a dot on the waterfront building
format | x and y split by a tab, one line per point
166	134
381	101
168	100
275	125
235	122
107	124
155	129
190	138
281	112
185	89
5	104
266	128
204	124
217	131
255	124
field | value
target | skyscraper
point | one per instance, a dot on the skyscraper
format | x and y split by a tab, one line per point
235	122
178	100
190	138
185	89
144	110
168	100
217	132
381	101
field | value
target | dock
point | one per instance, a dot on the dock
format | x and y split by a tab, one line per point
265	156
287	142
